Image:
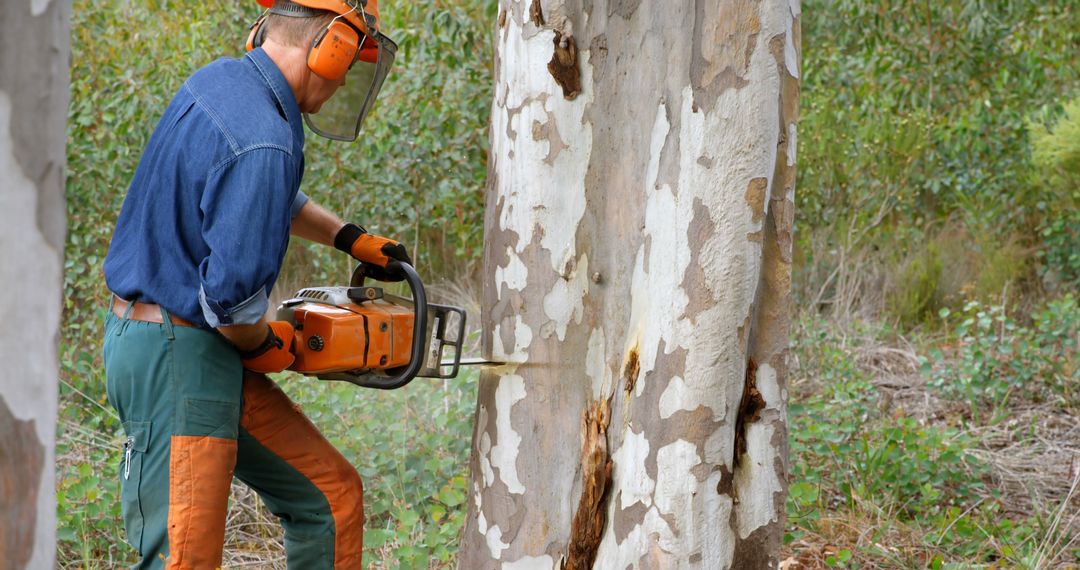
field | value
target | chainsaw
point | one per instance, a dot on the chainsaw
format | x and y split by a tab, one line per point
371	338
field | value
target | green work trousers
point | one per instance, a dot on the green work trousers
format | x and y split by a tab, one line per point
193	418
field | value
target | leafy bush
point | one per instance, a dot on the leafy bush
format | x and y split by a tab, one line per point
996	360
847	450
1056	154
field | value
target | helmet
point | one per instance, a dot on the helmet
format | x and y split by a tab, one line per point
351	45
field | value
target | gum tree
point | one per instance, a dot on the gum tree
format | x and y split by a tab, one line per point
33	107
637	271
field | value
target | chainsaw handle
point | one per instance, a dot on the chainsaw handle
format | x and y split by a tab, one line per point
401	375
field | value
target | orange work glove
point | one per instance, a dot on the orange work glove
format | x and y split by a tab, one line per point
376	251
276	353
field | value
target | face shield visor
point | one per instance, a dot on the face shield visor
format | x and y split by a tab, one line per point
341	116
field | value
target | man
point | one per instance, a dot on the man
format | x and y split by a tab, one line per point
196	250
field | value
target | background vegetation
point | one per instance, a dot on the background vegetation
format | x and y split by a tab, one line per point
934	388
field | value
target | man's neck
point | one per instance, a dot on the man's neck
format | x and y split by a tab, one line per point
292	61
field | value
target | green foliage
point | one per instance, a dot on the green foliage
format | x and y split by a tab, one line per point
914	113
996	360
1056	154
844	444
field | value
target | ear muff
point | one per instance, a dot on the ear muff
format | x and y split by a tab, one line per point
257	34
334	51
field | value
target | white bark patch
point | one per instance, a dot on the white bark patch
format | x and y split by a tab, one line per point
542	191
792	144
504	455
720	446
595	366
630	476
769	387
675	484
642	538
666	224
494	542
791	57
757	480
523	336
485	463
38	7
544	562
564	302
515	275
676	397
717	548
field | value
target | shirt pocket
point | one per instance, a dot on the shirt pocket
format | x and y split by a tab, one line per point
131	464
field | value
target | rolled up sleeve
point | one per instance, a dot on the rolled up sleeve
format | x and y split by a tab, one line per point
247	208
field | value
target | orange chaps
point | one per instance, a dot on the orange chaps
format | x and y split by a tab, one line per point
194	420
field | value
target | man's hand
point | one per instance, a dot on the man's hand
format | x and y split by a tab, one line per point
374	250
276	352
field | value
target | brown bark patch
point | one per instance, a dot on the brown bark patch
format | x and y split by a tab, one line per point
502	18
21	460
536	13
755	198
724	36
758	550
631	370
564	65
750	407
587	528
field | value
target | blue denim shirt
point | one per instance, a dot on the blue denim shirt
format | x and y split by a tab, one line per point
205	223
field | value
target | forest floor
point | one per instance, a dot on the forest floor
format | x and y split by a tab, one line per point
891	469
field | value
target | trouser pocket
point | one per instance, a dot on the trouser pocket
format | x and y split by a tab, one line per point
136	443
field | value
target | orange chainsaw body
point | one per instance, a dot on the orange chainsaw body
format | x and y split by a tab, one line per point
374	339
335	338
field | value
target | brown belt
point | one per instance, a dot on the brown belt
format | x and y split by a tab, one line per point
146	312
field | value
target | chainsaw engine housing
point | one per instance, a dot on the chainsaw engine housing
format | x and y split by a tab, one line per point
361	335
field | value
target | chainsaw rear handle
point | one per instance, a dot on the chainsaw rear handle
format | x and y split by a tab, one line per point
401	375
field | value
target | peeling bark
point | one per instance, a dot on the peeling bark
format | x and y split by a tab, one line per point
591	513
638	256
564	65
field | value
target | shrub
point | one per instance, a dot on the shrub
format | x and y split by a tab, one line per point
994	359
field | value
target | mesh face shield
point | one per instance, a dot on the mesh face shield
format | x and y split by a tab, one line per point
341	117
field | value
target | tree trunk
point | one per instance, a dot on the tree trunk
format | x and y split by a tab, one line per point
34	58
637	270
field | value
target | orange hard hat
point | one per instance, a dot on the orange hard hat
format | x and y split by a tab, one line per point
353	11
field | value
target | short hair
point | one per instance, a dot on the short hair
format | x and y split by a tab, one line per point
297	32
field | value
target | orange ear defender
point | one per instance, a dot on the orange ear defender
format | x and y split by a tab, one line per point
334	51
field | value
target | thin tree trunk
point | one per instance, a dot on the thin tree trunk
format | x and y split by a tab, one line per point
637	271
34	51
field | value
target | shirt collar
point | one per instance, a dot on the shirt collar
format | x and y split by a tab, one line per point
281	89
